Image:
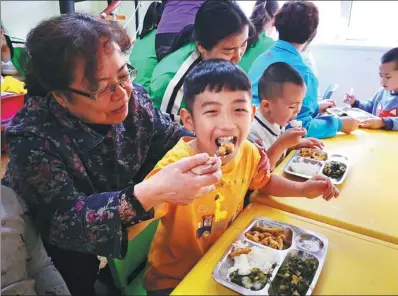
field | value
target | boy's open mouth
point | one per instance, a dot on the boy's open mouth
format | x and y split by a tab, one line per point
226	145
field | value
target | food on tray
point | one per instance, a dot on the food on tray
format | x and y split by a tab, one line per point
225	149
255	280
296	123
272	237
334	169
239	252
313	154
295	275
253	269
304	168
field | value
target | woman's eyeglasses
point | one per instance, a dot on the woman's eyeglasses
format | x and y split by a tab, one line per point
124	82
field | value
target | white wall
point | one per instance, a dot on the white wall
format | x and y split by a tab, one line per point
18	17
348	66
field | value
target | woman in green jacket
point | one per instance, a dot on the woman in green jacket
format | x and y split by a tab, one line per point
221	30
263	17
143	55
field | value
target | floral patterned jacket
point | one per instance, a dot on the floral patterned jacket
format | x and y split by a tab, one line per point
77	182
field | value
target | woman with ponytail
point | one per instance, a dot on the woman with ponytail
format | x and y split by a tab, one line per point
143	56
262	18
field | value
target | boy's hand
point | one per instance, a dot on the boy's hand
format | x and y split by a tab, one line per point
349	124
374	123
310	143
292	137
325	104
320	185
349	99
264	164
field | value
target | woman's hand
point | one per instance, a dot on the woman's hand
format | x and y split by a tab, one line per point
349	124
325	104
177	184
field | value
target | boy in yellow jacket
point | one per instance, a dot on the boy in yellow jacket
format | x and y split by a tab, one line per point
219	111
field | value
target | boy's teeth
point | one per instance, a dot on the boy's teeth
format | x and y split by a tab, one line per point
226	138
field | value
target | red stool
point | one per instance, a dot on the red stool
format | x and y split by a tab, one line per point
10	105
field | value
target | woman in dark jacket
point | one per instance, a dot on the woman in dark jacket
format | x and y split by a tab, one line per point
84	141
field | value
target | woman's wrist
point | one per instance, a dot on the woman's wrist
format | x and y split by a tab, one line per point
146	194
131	210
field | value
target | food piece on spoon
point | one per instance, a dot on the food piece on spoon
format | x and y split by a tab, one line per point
226	145
296	123
225	149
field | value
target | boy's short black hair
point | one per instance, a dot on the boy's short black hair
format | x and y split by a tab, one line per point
390	56
271	82
214	76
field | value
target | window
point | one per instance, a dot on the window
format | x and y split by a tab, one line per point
373	22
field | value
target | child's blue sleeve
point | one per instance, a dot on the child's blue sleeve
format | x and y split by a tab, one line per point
391	123
256	71
366	105
320	127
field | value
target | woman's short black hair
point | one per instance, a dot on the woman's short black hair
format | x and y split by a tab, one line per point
263	12
54	45
218	19
270	85
390	56
297	21
214	76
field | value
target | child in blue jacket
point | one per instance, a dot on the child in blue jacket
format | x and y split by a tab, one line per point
297	24
385	102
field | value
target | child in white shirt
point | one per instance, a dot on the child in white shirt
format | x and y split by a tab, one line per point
281	91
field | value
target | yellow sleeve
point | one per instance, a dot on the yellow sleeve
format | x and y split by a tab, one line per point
260	178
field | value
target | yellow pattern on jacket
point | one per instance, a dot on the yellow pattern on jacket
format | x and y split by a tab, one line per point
185	233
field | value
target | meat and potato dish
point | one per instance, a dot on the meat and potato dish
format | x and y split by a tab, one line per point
313	154
272	237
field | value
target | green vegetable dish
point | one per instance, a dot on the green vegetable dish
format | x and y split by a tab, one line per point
295	276
334	169
255	280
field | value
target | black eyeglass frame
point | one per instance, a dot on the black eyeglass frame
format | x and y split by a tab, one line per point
132	75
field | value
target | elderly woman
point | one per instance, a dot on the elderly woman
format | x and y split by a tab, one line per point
83	143
297	23
221	31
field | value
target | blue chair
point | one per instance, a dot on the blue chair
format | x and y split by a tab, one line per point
329	91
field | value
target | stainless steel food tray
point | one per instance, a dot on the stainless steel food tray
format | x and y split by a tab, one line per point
331	156
297	244
352	112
